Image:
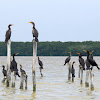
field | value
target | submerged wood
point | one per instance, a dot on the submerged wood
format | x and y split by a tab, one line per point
87	78
81	75
69	71
8	62
91	80
79	71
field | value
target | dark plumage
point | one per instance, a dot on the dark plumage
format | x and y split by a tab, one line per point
35	32
73	70
4	71
14	65
8	33
41	66
91	61
68	59
21	70
81	61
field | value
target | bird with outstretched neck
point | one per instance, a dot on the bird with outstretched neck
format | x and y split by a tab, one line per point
35	32
68	59
91	61
8	33
41	66
81	61
4	72
14	65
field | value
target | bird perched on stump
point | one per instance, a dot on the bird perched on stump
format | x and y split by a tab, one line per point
4	72
91	61
21	70
8	33
35	32
14	65
41	66
68	59
73	70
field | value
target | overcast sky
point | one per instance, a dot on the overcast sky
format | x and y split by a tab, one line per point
56	20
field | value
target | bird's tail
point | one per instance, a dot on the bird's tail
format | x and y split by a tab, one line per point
6	40
98	67
36	39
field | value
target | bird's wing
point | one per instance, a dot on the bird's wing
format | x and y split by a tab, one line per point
81	60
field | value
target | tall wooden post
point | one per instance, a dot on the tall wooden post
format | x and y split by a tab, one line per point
79	71
81	78
69	71
91	80
34	64
8	61
87	78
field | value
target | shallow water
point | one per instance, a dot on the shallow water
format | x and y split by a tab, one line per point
54	85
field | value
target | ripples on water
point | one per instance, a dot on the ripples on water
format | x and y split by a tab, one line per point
54	84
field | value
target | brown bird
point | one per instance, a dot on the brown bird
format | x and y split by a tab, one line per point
68	59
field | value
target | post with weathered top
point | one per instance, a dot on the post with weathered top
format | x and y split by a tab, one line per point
69	71
34	64
8	61
91	80
81	73
87	78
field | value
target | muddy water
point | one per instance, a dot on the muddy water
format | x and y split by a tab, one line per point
54	84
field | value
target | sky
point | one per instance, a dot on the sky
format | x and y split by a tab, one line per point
55	20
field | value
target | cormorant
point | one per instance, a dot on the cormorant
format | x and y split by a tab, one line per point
73	70
91	61
4	71
81	61
35	32
68	59
21	70
14	65
8	33
41	66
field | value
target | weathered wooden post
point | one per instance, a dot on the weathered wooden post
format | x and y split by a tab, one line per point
87	78
79	71
69	71
8	61
13	78
34	64
91	80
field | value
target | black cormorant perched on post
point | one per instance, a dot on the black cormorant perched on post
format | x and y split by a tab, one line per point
4	71
91	61
81	61
73	70
14	65
21	70
68	59
8	33
35	32
41	66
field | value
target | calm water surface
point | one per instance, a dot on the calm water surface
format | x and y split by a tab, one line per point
54	84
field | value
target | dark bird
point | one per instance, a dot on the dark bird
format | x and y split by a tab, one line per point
91	61
4	71
35	32
8	33
81	61
41	66
68	59
87	63
21	70
73	70
14	65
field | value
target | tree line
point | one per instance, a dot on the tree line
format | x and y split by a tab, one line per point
51	48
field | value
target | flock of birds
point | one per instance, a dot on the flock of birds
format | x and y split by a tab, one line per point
90	62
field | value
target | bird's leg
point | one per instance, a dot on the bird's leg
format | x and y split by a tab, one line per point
87	78
91	79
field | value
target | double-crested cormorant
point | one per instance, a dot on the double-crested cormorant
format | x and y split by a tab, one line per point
4	71
8	33
73	70
14	65
68	59
91	61
41	66
35	32
21	70
81	61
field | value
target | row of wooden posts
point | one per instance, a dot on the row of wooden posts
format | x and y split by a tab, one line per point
9	64
80	75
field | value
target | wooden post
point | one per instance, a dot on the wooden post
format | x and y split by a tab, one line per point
69	71
8	61
79	71
13	74
91	80
72	78
87	78
22	81
34	64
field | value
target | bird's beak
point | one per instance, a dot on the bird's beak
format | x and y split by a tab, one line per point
93	51
78	53
69	52
85	50
30	22
11	25
16	53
